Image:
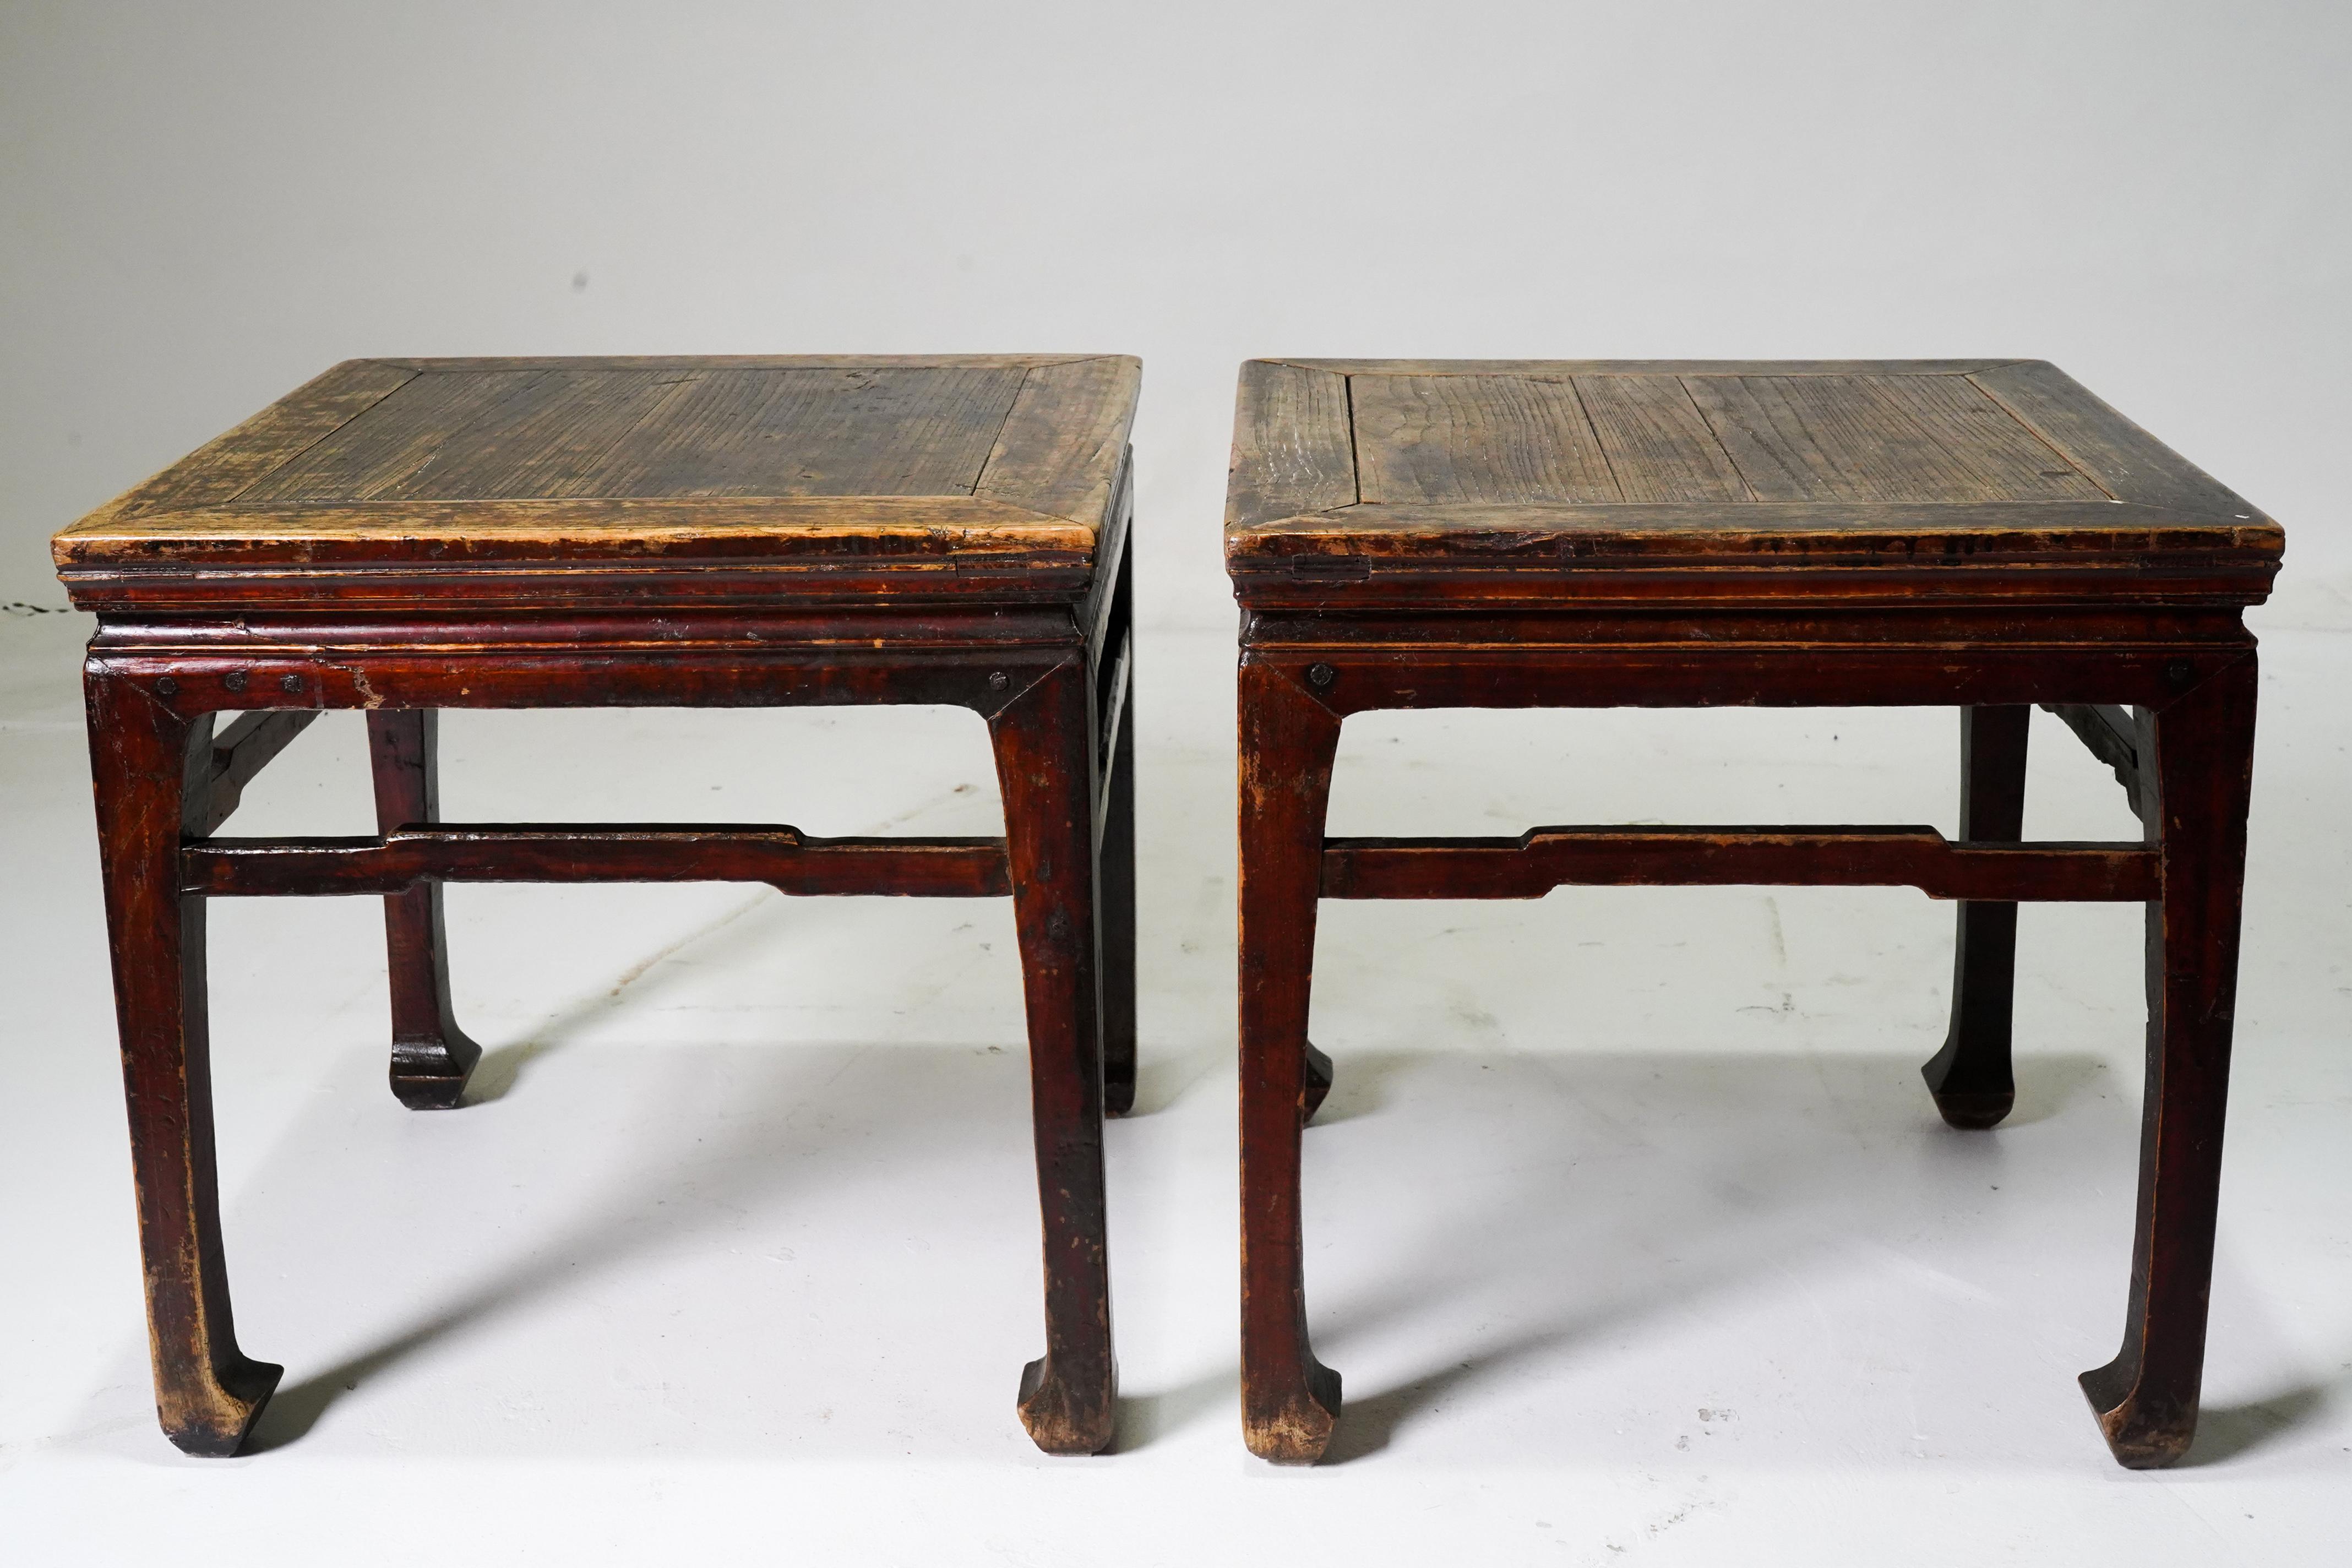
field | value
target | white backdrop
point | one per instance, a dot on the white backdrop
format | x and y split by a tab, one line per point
1635	1237
203	206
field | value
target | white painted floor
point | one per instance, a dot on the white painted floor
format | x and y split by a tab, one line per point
1632	1230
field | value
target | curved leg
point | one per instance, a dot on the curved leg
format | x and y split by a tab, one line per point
1290	1401
207	1391
2203	748
1044	765
431	1057
1115	887
1970	1075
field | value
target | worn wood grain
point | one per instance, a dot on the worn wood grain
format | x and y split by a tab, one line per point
1294	444
224	468
1657	444
391	440
877	432
1915	439
1767	438
2004	458
2127	461
1880	452
1509	440
546	441
1057	452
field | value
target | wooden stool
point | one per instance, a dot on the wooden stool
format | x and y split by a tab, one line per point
1676	535
407	535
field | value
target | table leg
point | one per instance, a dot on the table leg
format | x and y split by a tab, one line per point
207	1391
2203	746
1970	1077
1045	768
431	1057
1290	1401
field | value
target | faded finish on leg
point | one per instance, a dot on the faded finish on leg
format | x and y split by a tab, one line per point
431	1057
1045	767
1970	1077
208	1393
1290	1401
2195	812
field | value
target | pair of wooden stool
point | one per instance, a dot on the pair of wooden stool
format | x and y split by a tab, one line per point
404	536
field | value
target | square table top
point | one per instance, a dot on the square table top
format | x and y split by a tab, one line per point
1392	465
384	463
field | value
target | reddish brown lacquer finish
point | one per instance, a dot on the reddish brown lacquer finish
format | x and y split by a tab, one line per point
1983	535
403	536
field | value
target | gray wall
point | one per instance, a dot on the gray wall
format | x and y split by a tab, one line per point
202	205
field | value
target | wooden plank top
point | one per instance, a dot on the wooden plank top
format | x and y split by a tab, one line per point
381	464
1373	468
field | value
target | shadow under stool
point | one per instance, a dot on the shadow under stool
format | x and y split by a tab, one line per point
1590	535
403	536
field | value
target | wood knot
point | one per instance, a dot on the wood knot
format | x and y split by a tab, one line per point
1321	675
